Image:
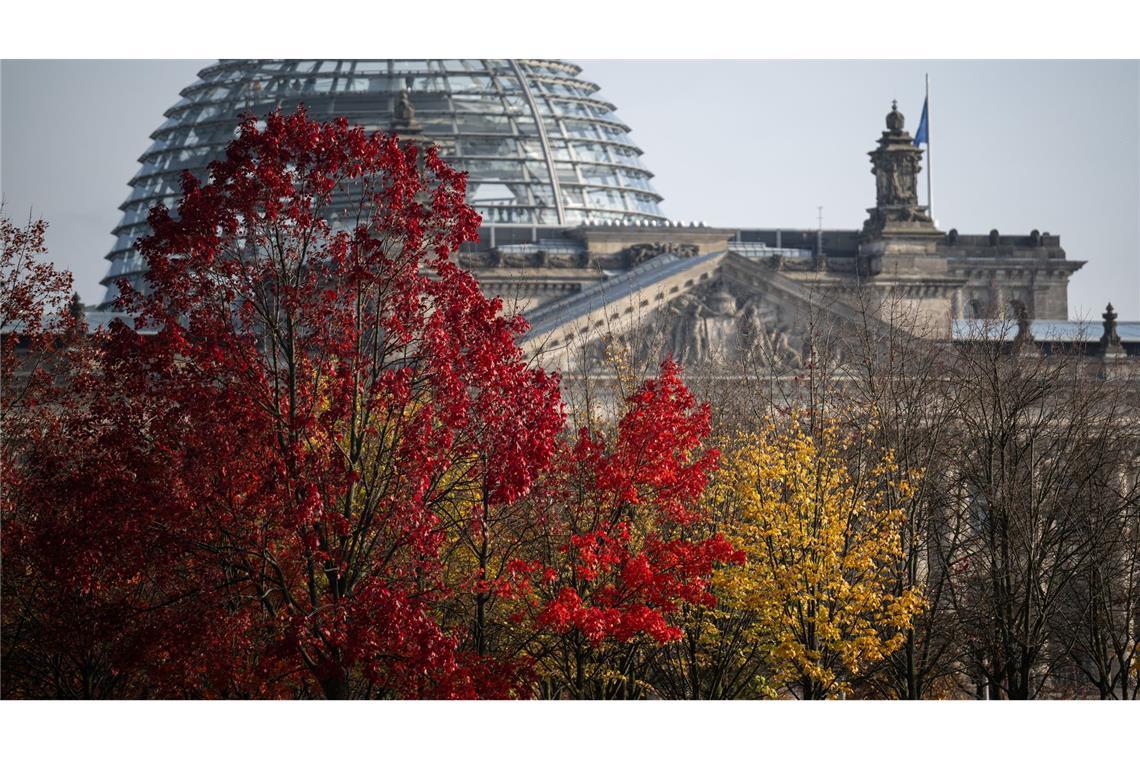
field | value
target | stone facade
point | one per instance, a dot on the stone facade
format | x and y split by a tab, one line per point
699	292
706	294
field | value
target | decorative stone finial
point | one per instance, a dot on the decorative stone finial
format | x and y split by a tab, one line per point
1110	340
895	119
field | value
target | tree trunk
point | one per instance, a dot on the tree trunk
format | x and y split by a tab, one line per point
336	686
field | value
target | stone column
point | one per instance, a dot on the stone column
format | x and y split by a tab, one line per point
957	305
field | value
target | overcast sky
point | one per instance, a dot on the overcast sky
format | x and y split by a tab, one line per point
1016	146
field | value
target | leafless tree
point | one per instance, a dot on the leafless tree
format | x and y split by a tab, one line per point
1026	423
1100	615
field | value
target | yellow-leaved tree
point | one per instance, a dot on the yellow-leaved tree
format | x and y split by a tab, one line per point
820	536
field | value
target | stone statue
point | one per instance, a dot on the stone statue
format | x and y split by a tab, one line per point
882	187
762	338
902	184
753	331
707	326
720	302
404	113
687	340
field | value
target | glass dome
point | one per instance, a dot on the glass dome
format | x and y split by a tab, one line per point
539	148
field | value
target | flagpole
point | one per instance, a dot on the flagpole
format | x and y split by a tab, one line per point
929	164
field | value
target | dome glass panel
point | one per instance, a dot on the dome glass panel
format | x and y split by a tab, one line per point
539	148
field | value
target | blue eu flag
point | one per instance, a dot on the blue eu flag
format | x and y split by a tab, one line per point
923	134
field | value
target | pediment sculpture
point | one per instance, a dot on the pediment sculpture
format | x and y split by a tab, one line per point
642	252
712	326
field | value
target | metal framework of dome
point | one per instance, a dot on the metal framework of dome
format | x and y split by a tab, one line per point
540	149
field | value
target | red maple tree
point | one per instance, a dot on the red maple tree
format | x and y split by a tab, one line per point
54	641
317	460
622	518
303	399
35	320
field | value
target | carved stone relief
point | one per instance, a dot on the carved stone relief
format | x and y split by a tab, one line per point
896	178
711	325
642	252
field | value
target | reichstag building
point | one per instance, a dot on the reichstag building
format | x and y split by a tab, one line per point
573	235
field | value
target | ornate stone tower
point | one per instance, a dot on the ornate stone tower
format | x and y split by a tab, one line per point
899	248
896	164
